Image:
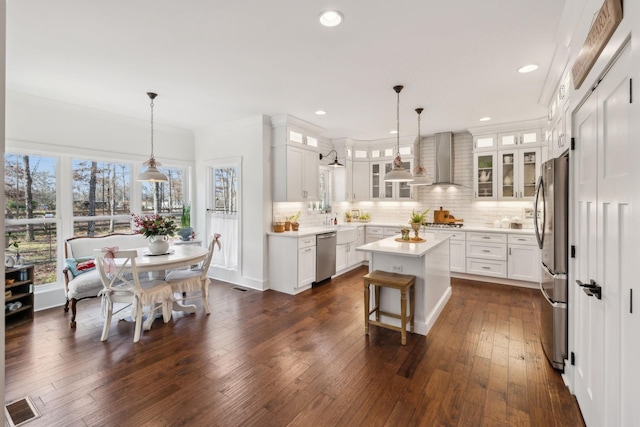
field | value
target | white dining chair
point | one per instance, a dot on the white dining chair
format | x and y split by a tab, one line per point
121	284
194	280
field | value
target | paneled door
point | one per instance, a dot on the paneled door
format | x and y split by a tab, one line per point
603	229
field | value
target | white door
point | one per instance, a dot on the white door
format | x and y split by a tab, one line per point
602	216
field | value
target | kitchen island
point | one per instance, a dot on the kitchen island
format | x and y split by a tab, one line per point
428	261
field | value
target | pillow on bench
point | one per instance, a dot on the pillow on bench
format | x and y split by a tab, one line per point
77	266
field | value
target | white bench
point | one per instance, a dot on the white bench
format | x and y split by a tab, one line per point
88	284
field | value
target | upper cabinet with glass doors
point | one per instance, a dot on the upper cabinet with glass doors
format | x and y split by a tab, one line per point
381	163
517	173
528	138
484	175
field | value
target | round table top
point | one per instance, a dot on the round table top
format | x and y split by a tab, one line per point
178	256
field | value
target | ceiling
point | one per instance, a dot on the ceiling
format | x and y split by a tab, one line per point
213	61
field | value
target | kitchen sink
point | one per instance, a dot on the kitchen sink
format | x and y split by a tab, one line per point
347	234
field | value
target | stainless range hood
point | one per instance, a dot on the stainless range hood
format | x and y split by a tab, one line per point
443	159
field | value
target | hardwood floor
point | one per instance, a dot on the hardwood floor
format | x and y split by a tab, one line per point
269	359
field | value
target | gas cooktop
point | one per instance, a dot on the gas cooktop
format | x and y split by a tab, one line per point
443	225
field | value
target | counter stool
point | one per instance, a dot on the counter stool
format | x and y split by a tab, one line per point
395	281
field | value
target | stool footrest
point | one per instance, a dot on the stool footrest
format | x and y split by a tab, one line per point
385	325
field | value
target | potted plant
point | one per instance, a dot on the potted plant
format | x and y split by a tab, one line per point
416	221
13	242
186	231
293	222
348	216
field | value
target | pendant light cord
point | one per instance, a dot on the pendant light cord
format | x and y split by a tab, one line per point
152	96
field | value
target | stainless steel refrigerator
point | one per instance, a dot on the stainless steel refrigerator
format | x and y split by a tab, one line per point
551	209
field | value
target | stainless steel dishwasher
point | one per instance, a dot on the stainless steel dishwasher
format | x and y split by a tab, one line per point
325	256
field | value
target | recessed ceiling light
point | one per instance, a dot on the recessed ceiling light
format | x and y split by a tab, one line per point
393	131
331	18
485	119
321	112
528	68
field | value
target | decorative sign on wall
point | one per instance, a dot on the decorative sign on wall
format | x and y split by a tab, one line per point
606	22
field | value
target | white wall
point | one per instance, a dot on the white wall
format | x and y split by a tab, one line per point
249	139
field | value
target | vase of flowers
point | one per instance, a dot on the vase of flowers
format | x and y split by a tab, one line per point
157	229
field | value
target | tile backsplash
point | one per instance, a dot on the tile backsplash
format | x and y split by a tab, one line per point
458	200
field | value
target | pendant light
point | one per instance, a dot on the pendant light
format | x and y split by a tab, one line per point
398	173
419	172
152	174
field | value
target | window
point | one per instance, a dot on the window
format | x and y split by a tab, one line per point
30	212
103	190
166	197
224	211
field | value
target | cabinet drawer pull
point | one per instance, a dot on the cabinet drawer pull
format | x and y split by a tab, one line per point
486	250
486	268
486	237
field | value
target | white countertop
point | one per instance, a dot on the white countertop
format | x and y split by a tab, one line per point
393	247
310	231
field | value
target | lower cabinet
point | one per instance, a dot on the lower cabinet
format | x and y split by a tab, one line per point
346	255
457	251
292	263
524	258
487	254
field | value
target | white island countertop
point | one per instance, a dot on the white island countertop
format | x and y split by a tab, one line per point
409	249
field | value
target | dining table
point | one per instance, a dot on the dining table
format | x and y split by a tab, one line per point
178	256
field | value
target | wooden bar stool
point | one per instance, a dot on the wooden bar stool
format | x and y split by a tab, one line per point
395	281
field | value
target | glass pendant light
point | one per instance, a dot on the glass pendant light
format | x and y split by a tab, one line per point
398	173
419	172
152	174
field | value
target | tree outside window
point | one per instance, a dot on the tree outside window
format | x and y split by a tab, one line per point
30	211
101	189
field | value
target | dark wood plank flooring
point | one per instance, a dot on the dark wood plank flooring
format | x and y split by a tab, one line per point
269	359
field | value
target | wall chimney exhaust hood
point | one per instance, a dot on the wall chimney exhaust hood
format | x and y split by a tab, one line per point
443	159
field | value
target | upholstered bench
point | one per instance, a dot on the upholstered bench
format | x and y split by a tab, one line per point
402	282
81	278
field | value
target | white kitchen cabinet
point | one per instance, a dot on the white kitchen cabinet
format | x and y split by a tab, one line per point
486	254
457	250
485	142
343	181
306	266
296	174
513	139
361	186
484	175
346	255
381	190
292	263
341	257
374	233
518	171
295	160
523	258
360	256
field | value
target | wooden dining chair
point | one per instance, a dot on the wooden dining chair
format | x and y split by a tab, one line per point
121	284
194	281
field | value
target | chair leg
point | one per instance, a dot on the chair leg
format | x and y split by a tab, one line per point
403	315
138	325
107	320
166	311
205	297
366	309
